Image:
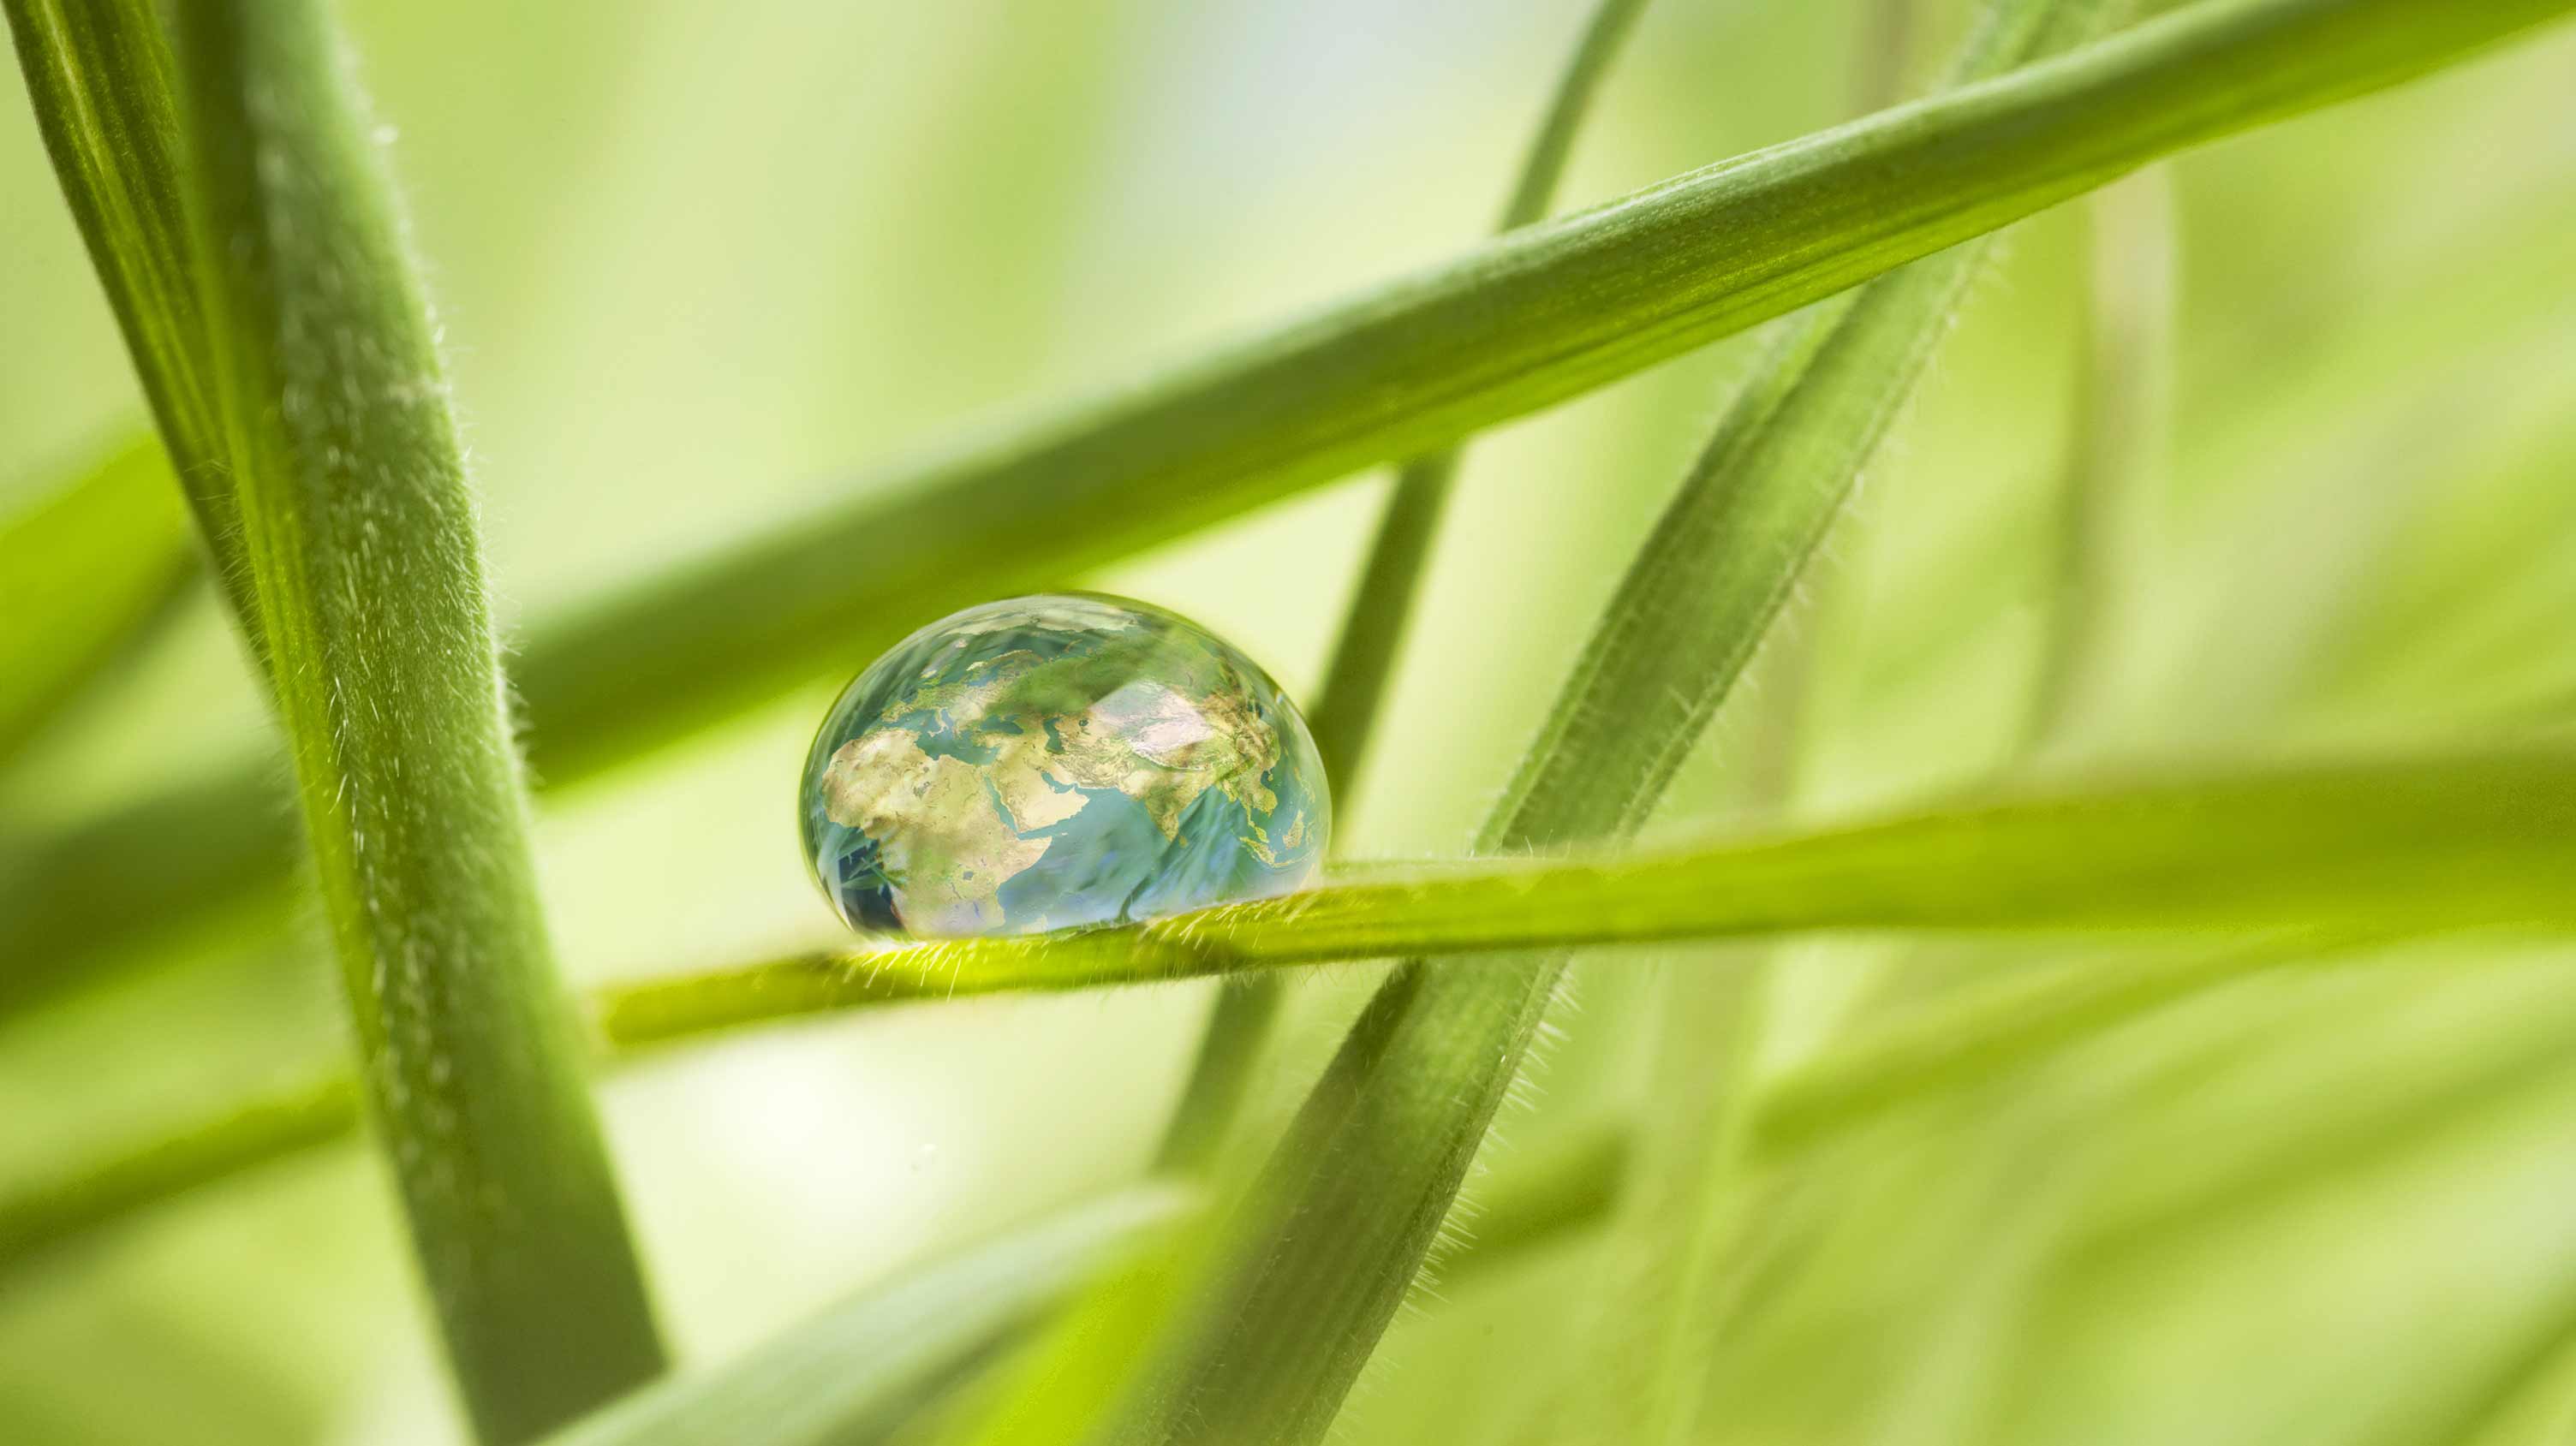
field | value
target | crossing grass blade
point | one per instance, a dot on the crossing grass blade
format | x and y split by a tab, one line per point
362	549
1354	690
1332	1235
85	571
1523	322
1330	1238
1637	1369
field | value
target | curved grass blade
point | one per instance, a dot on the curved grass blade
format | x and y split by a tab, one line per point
1354	689
85	572
2118	444
1636	1364
1525	321
362	548
861	1370
98	74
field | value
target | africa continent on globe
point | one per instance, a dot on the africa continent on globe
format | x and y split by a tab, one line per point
1048	761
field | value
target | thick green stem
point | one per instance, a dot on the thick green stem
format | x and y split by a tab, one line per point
363	551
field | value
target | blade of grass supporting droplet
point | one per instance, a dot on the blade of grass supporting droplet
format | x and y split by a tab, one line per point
861	1370
1354	690
86	572
1524	322
362	546
98	74
2406	844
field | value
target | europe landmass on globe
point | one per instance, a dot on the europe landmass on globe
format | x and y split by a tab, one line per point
1055	761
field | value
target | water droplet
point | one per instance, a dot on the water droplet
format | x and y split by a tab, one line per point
1050	761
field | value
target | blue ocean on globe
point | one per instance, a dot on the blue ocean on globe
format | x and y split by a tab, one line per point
1050	761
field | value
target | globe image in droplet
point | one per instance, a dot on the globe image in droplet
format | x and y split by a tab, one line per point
1067	759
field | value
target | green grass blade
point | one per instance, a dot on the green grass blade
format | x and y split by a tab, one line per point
2123	434
234	1138
1986	1032
1703	1186
2532	1398
1526	321
1333	1235
2401	844
1521	323
857	1372
98	75
1358	1191
218	849
1691	1197
2351	1111
1547	1192
2426	841
1354	690
1221	1073
1351	1205
1347	706
362	546
85	572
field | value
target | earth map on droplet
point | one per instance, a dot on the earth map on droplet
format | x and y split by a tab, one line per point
1043	762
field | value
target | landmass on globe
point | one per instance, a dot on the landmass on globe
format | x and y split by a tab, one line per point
1059	761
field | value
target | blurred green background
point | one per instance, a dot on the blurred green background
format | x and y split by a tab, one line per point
700	265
